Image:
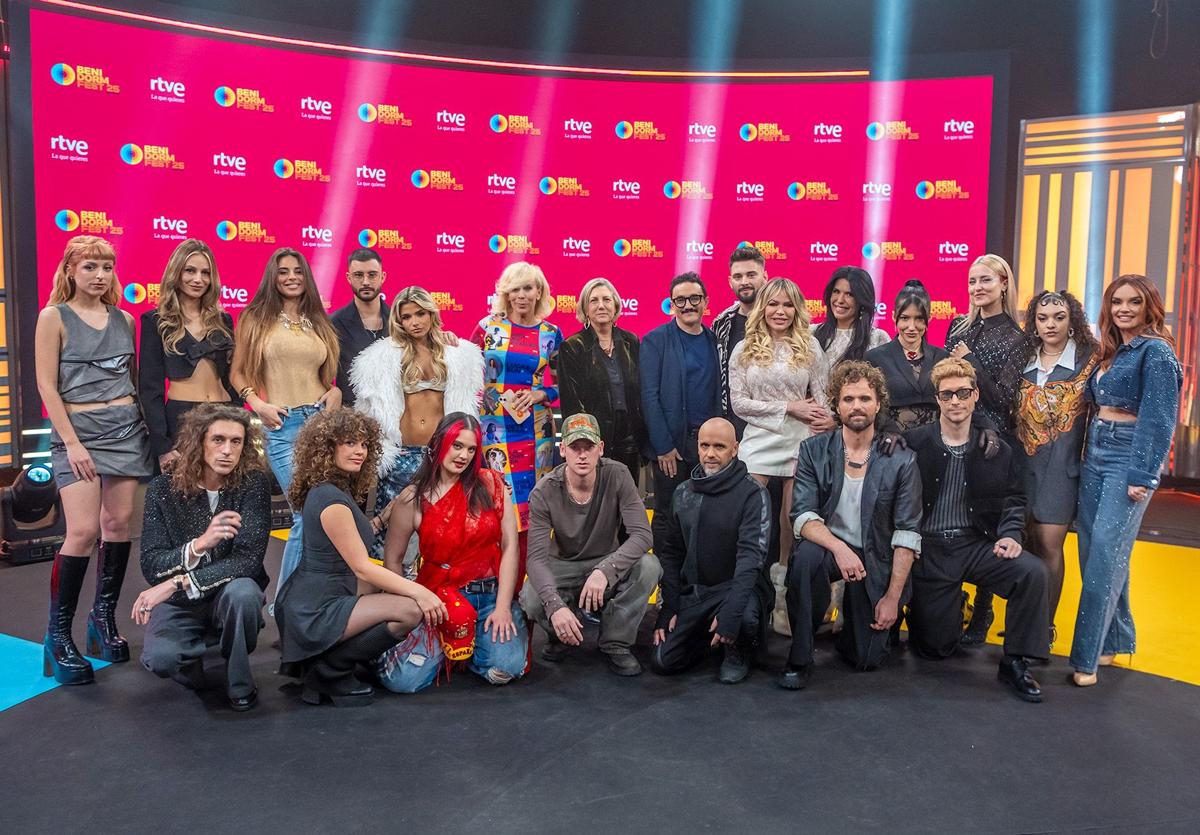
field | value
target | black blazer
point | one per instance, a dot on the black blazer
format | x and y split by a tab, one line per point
583	383
903	388
995	493
156	367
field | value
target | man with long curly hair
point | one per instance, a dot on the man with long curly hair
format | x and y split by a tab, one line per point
204	537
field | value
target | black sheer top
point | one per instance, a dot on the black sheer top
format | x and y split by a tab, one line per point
999	353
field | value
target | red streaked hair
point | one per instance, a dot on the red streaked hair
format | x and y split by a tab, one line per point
476	487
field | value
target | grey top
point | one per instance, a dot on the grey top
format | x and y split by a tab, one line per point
950	510
846	521
94	365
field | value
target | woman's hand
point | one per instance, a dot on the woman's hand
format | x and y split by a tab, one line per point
960	350
1137	493
81	461
151	597
524	401
432	607
331	399
271	415
500	622
167	460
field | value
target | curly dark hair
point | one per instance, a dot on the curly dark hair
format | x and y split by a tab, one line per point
1081	333
314	454
851	371
187	476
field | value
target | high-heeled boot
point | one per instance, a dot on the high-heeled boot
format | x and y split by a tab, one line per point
60	656
103	640
330	676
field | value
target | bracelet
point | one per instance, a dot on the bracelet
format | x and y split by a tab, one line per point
246	392
177	581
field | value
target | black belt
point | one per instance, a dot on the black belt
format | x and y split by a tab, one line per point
952	533
485	586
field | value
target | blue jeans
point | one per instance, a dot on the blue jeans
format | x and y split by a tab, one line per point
1107	525
391	484
413	664
278	446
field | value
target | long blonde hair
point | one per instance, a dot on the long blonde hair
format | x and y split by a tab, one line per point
262	314
410	369
170	310
81	248
513	275
1008	295
758	348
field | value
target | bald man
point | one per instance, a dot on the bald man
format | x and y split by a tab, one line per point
714	584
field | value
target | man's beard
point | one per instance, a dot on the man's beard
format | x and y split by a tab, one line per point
859	423
367	294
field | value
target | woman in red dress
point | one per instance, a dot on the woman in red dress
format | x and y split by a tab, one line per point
467	528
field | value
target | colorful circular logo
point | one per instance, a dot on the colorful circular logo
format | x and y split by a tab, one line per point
744	244
497	243
284	168
225	96
131	154
666	307
672	189
135	293
622	247
227	230
367	238
368	112
870	251
925	189
748	132
498	124
548	185
875	131
420	178
624	130
63	74
796	191
66	220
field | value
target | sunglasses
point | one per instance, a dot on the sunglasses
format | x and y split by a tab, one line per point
962	394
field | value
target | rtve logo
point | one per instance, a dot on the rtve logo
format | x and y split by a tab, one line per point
823	130
174	89
366	172
873	189
750	189
78	147
451	119
579	245
310	105
577	126
168	224
953	127
702	131
451	239
820	249
229	162
316	233
501	181
627	187
698	248
953	249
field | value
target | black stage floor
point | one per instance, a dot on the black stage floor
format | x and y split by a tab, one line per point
917	747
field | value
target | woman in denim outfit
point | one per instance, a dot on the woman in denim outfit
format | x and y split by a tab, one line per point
1136	389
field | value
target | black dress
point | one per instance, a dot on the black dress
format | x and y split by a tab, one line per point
314	605
999	352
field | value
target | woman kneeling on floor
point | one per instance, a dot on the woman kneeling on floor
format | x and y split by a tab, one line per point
464	519
323	623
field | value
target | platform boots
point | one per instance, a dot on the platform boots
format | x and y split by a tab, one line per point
61	657
103	640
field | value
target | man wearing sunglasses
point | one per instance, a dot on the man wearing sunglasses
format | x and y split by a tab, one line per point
974	518
681	389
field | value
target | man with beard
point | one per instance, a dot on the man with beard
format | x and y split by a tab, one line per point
857	517
747	275
714	589
364	320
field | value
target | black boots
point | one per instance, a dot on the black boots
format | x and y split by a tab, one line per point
103	640
330	676
981	620
61	657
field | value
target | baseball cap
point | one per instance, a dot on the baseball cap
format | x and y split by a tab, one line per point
580	427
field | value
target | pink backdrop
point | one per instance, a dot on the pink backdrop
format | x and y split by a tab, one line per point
147	137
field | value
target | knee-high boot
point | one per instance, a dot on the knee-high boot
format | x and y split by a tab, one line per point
60	656
103	640
331	674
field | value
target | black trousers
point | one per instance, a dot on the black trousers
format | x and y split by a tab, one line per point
178	635
935	612
664	489
689	642
810	572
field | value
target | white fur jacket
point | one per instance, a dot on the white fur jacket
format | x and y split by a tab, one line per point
380	394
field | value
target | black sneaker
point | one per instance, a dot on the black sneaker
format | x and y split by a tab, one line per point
554	651
623	663
736	665
795	676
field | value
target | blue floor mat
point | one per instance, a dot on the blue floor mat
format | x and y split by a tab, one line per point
21	671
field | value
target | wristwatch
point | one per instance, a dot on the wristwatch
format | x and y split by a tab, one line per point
178	582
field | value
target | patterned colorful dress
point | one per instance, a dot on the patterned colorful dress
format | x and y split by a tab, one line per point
517	358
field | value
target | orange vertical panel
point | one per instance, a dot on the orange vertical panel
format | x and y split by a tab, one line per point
1173	236
1135	222
1110	228
1081	218
1053	207
1027	256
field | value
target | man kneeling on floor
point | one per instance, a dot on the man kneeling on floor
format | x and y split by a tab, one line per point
714	586
857	517
576	552
974	517
204	537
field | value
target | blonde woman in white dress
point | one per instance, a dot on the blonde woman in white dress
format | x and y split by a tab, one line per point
777	377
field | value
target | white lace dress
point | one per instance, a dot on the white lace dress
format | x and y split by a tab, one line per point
841	341
760	394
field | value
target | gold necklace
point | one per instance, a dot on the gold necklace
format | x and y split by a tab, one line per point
295	325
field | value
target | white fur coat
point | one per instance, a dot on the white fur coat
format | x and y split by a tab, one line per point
380	394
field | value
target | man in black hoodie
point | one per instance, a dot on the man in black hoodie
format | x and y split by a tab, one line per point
714	588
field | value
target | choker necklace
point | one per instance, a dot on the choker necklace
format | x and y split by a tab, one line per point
295	325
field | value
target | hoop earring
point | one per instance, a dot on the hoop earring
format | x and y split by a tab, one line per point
1070	332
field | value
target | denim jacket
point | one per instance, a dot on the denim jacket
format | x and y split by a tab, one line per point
1145	378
